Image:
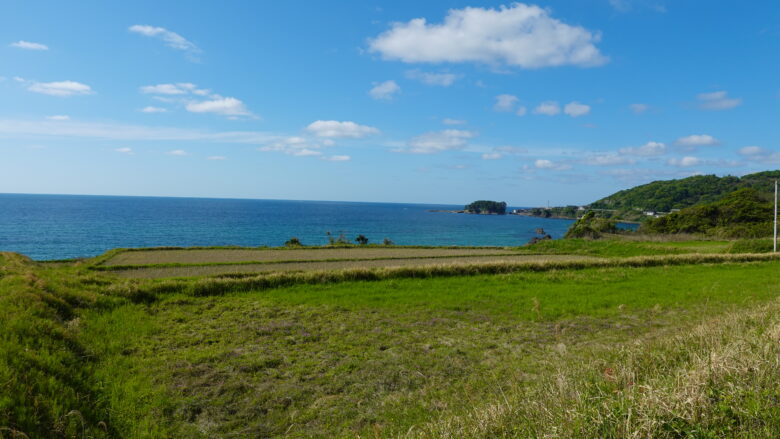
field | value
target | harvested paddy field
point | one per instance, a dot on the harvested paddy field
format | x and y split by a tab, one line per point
192	270
217	255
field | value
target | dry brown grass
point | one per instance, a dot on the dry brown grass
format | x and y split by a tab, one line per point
206	256
213	270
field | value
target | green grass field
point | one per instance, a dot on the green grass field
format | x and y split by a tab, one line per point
672	343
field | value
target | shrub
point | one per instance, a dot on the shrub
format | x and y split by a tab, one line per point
293	242
387	241
361	239
751	246
589	226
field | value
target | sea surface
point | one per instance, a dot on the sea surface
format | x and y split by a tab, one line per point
47	227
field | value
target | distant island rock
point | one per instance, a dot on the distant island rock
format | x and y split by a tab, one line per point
481	207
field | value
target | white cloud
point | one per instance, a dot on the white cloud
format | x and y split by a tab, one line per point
296	146
58	117
216	157
519	35
549	164
125	150
438	141
639	108
336	129
337	158
684	162
608	159
491	156
521	111
576	109
505	102
448	121
695	140
224	106
718	100
649	149
181	88
153	110
752	151
514	150
91	130
60	88
548	108
177	152
384	90
171	39
27	45
440	79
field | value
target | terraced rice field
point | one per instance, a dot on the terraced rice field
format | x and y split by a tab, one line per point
216	256
154	272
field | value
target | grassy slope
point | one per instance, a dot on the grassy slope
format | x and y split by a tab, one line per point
463	356
367	357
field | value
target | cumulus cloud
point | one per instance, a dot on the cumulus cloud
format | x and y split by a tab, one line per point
505	102
177	152
576	109
128	151
448	121
384	90
27	45
718	100
684	162
59	88
58	117
639	108
171	39
548	108
439	141
440	79
521	35
696	140
336	129
224	106
549	164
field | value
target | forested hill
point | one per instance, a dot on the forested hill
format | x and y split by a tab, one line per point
663	196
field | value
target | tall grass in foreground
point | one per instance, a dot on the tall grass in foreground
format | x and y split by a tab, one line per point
718	380
144	291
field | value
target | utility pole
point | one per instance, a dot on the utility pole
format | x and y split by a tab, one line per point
774	246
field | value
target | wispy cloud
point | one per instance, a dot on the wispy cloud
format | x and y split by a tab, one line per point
548	108
551	165
57	88
151	109
438	141
171	39
337	129
639	108
27	45
448	121
384	90
125	150
649	149
216	157
430	78
718	100
58	117
177	152
694	141
225	106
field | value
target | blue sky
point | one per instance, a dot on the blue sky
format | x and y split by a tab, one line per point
403	101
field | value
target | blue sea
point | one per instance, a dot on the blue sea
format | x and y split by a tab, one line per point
47	227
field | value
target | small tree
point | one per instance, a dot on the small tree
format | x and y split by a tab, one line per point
387	241
293	242
361	239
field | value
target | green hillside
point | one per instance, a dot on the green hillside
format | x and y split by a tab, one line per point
744	213
664	196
